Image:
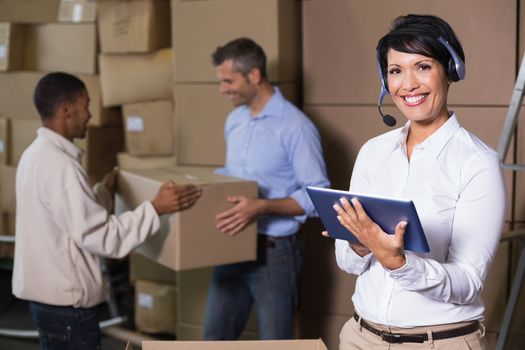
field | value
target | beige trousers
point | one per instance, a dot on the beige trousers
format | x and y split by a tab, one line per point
354	337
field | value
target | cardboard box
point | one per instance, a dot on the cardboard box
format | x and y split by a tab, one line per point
7	228
200	114
63	47
155	307
199	27
100	115
188	239
11	46
4	141
127	161
321	325
298	344
7	189
29	11
135	78
100	146
20	104
149	128
22	134
192	298
7	224
134	25
77	11
340	38
142	268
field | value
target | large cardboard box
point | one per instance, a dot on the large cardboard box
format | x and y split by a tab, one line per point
135	78
133	25
189	239
63	47
149	128
340	38
7	189
22	134
29	11
200	114
199	27
142	268
299	344
77	11
101	146
127	161
155	310
11	46
20	104
4	141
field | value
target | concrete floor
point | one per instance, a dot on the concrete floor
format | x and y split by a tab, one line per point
14	314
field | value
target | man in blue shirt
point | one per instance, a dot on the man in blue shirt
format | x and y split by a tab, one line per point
271	141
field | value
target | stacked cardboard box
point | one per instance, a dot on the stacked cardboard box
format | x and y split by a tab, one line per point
187	239
136	70
37	37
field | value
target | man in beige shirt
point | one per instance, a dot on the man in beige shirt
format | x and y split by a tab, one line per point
63	226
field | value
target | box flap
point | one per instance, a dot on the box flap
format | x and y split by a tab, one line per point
299	344
183	175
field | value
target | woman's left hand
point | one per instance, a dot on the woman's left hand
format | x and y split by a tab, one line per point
387	248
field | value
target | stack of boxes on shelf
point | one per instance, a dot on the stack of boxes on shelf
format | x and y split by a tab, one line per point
37	37
136	68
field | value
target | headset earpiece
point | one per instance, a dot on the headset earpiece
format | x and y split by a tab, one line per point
456	67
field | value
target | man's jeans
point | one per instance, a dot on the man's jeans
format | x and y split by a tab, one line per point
66	327
271	283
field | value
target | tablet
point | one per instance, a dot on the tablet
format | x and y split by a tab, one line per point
386	212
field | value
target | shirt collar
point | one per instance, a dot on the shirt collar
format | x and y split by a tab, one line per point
435	142
61	142
274	106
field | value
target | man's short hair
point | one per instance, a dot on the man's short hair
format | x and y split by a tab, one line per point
245	54
53	89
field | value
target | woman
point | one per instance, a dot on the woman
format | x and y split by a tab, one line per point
430	300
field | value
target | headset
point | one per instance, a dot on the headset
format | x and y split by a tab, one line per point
456	71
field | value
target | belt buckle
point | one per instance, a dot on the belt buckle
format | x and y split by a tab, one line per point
396	338
392	338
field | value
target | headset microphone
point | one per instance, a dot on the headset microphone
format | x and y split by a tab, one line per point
387	118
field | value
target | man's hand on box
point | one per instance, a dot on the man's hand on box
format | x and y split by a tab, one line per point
173	197
244	211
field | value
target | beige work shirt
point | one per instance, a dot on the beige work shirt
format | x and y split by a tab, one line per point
62	227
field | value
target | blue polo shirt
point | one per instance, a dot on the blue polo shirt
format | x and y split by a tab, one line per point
279	148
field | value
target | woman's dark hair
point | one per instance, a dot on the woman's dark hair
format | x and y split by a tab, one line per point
53	89
419	34
245	54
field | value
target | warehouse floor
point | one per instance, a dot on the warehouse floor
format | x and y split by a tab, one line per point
14	314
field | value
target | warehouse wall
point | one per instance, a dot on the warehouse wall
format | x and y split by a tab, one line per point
322	55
